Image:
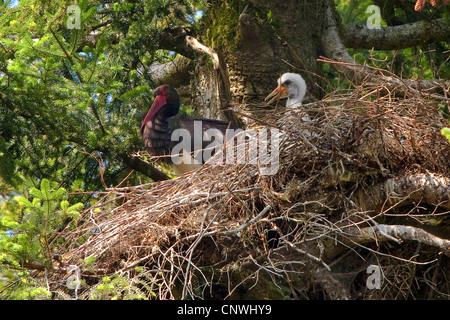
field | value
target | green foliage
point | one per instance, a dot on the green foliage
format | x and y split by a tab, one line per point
28	226
69	108
446	133
40	216
25	288
73	107
116	288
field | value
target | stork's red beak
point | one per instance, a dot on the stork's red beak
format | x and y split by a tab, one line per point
278	93
159	102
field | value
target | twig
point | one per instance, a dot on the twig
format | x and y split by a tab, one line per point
250	222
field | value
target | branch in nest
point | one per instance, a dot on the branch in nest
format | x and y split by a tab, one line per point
62	269
234	231
419	188
383	232
400	233
143	167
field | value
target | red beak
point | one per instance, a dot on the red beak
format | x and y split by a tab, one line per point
159	102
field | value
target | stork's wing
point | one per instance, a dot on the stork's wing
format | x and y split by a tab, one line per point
156	135
207	136
185	133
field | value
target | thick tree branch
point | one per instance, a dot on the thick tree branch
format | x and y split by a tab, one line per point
429	189
143	167
401	233
395	37
176	39
336	51
423	188
384	232
222	77
176	72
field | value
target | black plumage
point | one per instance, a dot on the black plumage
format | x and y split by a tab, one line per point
158	130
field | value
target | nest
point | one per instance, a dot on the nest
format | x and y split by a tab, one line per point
229	231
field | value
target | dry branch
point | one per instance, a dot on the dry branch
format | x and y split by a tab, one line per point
426	188
383	232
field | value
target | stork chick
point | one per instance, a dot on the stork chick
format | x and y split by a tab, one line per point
290	86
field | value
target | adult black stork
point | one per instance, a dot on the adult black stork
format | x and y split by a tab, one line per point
290	86
163	127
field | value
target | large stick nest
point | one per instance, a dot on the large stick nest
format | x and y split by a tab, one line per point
224	231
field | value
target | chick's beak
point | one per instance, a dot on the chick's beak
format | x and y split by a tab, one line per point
280	92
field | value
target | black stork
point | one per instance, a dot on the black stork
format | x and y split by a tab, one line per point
163	127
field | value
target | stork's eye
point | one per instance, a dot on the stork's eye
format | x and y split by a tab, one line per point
156	92
160	91
287	82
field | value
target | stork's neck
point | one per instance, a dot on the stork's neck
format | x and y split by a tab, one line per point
294	102
295	99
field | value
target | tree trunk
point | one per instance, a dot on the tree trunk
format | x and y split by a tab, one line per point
258	41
